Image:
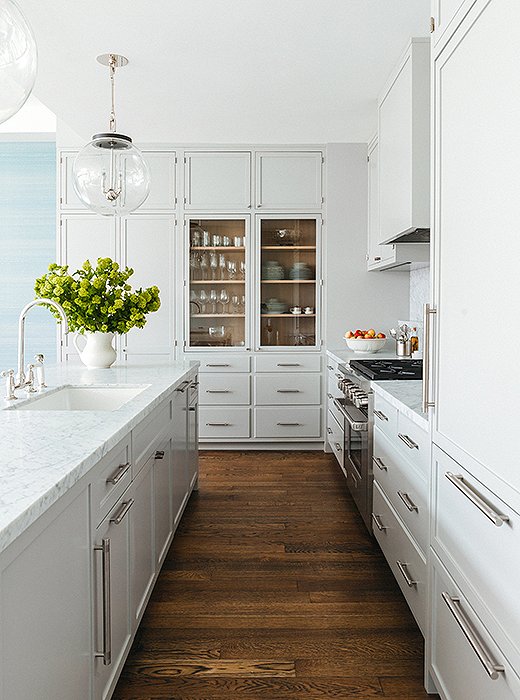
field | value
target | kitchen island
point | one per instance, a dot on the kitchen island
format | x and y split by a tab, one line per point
90	500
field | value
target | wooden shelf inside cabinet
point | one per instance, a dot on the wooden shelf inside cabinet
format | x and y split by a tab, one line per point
218	316
287	315
288	247
229	248
288	281
210	282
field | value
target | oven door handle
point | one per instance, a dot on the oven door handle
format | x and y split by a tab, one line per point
358	426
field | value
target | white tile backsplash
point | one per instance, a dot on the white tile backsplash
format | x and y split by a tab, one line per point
419	291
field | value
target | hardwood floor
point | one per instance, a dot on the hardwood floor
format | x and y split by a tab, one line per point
273	589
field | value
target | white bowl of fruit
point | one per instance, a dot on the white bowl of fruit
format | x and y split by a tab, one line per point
365	342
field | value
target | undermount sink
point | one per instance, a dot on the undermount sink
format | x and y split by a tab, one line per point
82	398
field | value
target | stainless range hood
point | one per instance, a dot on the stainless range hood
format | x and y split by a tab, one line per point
414	235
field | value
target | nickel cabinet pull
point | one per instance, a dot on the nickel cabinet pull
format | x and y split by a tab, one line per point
125	507
378	522
288	364
159	454
338	447
289	424
380	415
330	367
218	391
403	568
182	388
329	396
468	629
379	463
287	391
106	654
408	441
405	498
118	474
219	425
426	401
329	430
496	518
214	364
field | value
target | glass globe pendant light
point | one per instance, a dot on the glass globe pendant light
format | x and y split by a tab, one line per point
110	175
18	59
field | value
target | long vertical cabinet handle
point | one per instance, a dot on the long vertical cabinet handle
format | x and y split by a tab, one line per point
429	311
106	654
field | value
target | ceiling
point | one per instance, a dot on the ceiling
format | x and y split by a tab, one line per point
223	71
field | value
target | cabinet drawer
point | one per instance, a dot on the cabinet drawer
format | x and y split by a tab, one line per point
224	422
404	486
224	364
458	668
405	560
333	376
331	406
414	442
112	476
468	530
288	423
293	388
336	439
385	416
288	363
147	435
226	388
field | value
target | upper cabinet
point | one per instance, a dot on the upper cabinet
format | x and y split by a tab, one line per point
162	195
404	148
217	181
447	12
289	180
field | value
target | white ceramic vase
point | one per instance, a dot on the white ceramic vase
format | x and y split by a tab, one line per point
98	352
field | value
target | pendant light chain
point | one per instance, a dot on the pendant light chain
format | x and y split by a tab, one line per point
112	69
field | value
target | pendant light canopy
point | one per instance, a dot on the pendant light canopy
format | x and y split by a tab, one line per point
18	59
110	175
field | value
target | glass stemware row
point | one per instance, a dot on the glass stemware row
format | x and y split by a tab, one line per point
214	266
214	298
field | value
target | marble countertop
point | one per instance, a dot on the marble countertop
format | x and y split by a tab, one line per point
44	453
406	396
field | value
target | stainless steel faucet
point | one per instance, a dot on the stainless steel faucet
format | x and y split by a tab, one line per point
20	378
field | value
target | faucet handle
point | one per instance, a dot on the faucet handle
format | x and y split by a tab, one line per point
29	380
9	384
40	371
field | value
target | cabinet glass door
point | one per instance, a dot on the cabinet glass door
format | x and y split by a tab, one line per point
288	282
217	280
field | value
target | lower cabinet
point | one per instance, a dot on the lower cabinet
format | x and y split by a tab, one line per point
142	550
163	499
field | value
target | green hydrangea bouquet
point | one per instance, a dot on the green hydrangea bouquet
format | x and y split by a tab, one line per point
98	299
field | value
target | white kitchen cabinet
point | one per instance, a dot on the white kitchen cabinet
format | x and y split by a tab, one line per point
163	500
142	544
163	181
86	238
45	608
289	180
476	246
404	147
140	234
192	457
446	15
68	199
179	449
113	532
217	180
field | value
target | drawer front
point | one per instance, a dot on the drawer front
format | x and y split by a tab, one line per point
224	422
336	439
404	486
413	442
385	416
112	476
468	529
226	363
288	363
226	388
405	560
336	412
293	388
332	385
147	435
458	669
288	423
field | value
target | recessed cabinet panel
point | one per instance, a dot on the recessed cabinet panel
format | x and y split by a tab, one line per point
142	539
445	11
289	180
68	197
377	254
219	181
139	235
83	238
162	181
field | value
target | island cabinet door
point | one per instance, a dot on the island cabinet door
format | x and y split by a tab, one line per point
45	608
163	485
112	624
179	437
192	445
142	541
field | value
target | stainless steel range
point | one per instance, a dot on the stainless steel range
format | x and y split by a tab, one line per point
357	410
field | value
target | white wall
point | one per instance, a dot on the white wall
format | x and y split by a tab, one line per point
354	298
419	291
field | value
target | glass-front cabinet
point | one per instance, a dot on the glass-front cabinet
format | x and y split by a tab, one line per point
288	281
217	282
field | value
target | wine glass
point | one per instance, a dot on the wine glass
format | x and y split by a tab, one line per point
235	303
204	264
213	264
232	269
194	265
243	303
222	266
213	300
203	298
242	270
224	300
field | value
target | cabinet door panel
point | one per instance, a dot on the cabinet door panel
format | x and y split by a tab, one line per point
86	237
376	253
142	541
162	181
445	11
179	452
289	180
217	181
162	500
142	234
477	246
192	444
68	197
45	612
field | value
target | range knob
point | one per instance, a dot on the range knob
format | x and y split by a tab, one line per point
361	401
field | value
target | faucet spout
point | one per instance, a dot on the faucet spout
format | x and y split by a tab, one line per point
20	380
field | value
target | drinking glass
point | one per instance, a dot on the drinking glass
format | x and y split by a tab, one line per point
224	300
235	303
195	301
204	263
232	269
213	264
213	299
216	240
194	266
242	270
203	298
195	239
205	238
222	266
243	303
226	241
237	240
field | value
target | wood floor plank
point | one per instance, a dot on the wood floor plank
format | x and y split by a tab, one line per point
273	589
